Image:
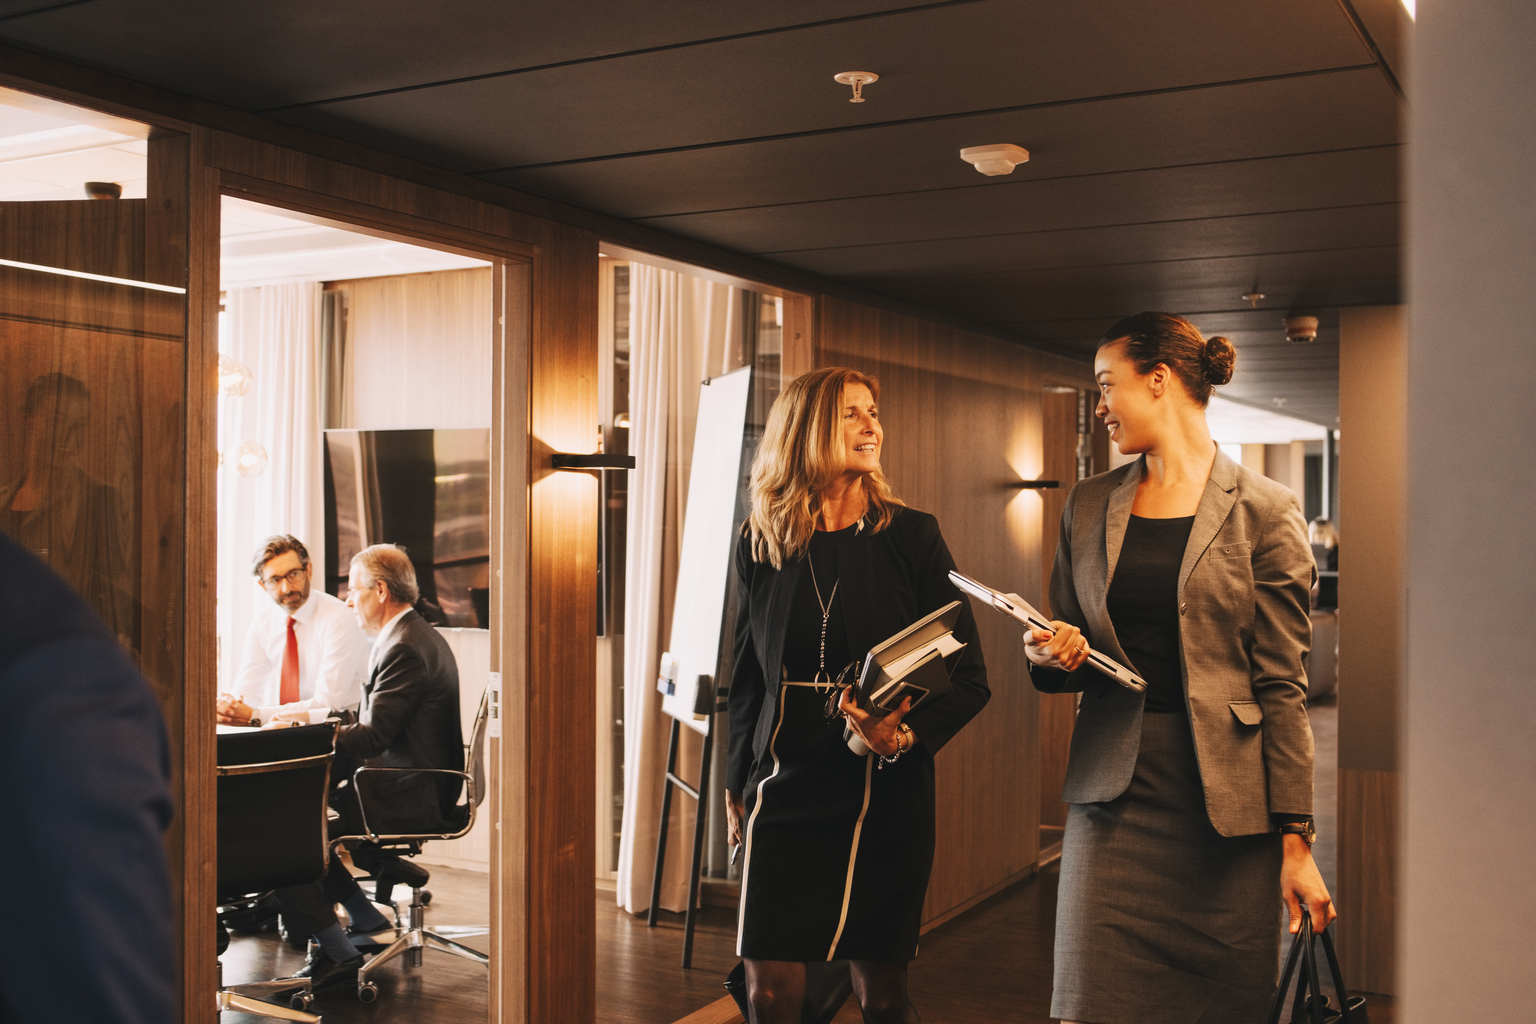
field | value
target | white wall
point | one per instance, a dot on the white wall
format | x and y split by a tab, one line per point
1470	725
472	650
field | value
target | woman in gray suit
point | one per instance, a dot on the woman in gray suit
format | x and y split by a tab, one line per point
1190	803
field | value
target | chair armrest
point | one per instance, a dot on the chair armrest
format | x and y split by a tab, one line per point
370	836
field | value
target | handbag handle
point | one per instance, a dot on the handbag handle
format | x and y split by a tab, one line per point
1338	977
1309	951
1308	984
1278	1005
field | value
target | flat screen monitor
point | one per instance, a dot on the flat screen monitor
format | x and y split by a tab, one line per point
427	491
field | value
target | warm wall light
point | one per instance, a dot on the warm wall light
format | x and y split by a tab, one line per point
1411	7
250	458
566	460
235	378
1038	485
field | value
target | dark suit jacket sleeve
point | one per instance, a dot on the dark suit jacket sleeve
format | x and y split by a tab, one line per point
936	724
88	908
747	685
398	690
1064	608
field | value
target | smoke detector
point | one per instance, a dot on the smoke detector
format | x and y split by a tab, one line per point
1300	330
993	160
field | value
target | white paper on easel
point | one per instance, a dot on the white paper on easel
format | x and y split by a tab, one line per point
709	537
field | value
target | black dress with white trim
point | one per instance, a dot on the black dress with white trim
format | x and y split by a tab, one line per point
838	849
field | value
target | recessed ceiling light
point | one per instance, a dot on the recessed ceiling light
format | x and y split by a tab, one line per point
991	160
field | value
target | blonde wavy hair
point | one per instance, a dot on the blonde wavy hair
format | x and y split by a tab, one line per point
801	453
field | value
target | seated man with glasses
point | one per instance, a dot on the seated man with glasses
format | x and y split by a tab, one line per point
304	655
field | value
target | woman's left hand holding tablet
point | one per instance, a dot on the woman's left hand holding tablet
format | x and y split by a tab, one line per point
879	734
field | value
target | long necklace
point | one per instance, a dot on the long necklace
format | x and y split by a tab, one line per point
822	675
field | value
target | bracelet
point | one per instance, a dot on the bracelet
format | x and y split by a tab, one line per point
903	731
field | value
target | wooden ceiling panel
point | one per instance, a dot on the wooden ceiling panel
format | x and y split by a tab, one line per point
1314	113
1252	234
260	54
1310	281
934	62
1312	181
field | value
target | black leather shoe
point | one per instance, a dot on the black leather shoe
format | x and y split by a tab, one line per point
324	973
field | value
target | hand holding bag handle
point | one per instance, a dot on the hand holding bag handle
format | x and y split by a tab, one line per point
1352	1010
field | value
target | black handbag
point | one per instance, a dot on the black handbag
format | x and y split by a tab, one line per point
1310	1006
827	987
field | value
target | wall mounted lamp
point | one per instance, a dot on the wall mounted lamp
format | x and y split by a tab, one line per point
1038	485
566	460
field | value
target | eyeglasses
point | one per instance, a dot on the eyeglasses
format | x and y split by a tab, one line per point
292	577
830	711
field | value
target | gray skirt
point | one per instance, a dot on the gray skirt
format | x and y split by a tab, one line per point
1161	919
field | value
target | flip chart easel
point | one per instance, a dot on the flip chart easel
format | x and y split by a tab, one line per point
687	679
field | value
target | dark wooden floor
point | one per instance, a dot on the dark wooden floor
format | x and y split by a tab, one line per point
445	988
988	966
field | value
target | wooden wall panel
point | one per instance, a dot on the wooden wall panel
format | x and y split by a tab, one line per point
1369	822
1058	711
962	419
562	646
199	752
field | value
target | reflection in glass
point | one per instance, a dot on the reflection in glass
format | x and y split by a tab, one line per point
92	363
58	511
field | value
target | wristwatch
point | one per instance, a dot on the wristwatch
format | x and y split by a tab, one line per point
255	719
1306	829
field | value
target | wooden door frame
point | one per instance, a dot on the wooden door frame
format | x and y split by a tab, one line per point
506	757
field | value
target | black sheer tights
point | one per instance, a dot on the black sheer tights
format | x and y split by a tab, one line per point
776	991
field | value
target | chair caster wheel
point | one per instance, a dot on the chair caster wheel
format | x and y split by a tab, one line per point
367	992
301	1000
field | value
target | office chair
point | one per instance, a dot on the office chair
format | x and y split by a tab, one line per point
382	857
272	792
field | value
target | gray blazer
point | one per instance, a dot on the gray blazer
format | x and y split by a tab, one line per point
1245	633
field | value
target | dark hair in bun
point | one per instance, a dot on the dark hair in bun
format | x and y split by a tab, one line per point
1199	364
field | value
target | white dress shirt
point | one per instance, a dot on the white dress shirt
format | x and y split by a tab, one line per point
332	654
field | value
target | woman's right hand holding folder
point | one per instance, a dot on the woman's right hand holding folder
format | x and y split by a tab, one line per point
1064	649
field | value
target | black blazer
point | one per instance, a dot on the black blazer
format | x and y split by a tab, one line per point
890	579
409	719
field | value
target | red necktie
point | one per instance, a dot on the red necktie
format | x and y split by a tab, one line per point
290	685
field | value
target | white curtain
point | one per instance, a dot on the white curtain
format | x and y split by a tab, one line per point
682	329
275	331
418	351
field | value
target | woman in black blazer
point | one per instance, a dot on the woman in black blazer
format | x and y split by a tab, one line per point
837	846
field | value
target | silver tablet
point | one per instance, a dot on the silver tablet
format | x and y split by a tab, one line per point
1020	610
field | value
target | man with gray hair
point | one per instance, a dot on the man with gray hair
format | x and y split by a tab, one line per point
409	719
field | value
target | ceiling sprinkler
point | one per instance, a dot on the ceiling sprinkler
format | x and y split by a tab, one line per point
1300	330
